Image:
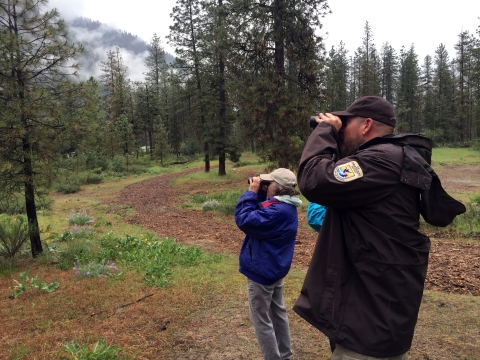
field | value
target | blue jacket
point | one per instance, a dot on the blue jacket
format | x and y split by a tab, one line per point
270	228
315	215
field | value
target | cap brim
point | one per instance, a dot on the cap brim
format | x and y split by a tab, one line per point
265	177
342	113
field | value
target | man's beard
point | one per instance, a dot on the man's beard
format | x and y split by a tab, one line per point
349	149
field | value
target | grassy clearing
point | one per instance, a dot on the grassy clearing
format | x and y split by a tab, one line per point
448	323
451	157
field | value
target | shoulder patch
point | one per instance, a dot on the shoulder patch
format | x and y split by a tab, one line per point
348	172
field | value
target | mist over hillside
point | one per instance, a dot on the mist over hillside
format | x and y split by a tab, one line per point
98	38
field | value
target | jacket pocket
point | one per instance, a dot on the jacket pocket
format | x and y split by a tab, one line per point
327	305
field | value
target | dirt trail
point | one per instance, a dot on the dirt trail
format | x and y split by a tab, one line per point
454	266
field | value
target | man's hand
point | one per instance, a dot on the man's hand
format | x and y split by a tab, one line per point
255	184
331	119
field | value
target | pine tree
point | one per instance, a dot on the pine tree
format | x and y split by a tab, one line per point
389	73
464	101
408	108
216	45
428	111
336	79
277	64
162	148
156	78
117	95
35	59
443	86
186	36
368	65
476	86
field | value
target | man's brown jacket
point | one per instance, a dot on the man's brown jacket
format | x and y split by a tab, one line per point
365	282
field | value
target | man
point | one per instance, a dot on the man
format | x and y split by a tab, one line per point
365	282
266	255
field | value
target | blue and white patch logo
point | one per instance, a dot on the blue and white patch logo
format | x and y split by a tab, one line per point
348	172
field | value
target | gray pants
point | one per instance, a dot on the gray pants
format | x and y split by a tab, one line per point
342	353
269	318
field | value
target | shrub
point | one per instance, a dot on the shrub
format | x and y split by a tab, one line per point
80	218
234	155
469	222
35	283
199	199
476	144
81	232
227	208
476	198
210	205
93	178
137	169
118	164
13	234
152	257
7	266
100	351
65	236
95	160
190	147
15	204
96	269
69	186
76	252
226	202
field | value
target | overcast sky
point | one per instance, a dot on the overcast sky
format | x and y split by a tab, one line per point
425	23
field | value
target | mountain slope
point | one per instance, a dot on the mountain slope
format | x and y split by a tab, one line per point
98	38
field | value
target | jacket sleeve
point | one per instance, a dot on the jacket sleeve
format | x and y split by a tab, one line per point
315	215
255	221
358	180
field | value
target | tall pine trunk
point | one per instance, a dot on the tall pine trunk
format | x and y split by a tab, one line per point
222	98
279	34
199	87
33	230
27	169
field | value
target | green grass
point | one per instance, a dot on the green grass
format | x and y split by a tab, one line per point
210	177
454	156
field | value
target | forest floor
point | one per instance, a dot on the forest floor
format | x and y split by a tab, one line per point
454	267
203	313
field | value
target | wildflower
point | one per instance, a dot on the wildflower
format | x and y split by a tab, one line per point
47	234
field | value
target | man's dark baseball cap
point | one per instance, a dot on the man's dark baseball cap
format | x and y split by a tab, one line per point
374	107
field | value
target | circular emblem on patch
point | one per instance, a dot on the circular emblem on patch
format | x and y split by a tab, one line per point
348	172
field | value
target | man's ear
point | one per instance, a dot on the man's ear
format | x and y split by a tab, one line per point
367	126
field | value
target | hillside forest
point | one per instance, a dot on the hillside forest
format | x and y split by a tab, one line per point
247	75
